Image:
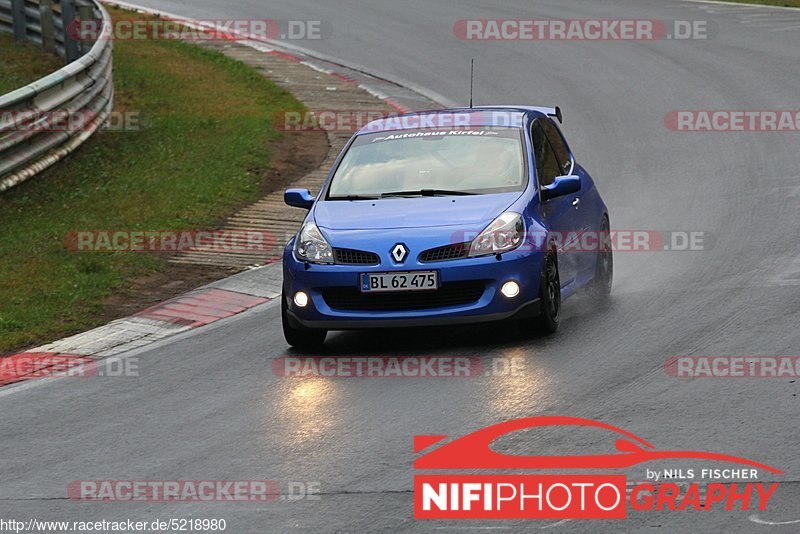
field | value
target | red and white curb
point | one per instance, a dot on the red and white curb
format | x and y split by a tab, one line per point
201	307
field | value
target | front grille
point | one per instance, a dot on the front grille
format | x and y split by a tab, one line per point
450	294
448	252
345	256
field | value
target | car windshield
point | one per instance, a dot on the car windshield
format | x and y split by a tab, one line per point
431	162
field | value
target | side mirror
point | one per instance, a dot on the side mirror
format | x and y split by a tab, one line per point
299	198
563	185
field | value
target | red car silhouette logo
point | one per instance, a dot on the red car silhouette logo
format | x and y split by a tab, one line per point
473	451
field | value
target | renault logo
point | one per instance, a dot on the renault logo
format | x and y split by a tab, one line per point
399	252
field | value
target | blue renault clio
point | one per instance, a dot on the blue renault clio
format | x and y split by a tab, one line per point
446	217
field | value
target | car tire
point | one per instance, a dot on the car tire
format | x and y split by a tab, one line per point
550	295
308	339
600	286
547	321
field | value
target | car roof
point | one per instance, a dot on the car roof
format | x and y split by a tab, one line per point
511	116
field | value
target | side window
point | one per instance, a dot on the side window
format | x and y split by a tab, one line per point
559	146
547	165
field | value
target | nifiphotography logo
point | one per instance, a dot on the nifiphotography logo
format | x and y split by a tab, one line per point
501	495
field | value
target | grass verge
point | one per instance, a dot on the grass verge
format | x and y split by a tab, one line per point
202	153
22	63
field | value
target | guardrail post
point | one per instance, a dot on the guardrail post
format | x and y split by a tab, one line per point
48	28
71	44
85	12
18	20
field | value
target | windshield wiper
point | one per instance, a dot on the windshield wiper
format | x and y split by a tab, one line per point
426	193
352	197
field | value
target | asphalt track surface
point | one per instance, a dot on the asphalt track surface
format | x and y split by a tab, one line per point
208	406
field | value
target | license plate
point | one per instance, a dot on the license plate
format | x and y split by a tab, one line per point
401	281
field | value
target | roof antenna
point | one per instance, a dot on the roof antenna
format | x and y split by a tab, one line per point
471	77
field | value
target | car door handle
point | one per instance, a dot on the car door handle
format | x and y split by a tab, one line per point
576	202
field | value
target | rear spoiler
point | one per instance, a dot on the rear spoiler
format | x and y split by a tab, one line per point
556	112
550	112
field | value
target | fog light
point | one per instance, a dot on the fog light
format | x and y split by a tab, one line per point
301	299
509	289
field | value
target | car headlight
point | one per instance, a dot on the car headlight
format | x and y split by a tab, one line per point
311	245
504	234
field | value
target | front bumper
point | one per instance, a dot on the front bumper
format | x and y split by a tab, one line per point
524	267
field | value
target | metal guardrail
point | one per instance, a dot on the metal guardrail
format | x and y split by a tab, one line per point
28	142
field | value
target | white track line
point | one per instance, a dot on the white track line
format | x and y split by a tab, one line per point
738	4
755	519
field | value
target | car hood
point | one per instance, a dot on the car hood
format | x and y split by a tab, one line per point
415	212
